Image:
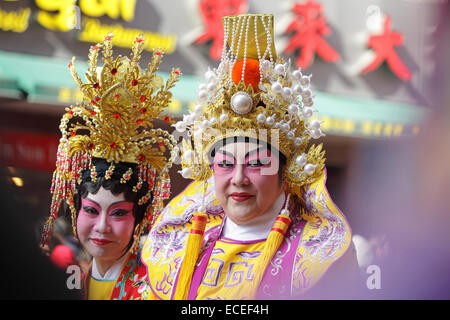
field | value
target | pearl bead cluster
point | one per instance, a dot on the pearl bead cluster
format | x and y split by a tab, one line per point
204	91
297	88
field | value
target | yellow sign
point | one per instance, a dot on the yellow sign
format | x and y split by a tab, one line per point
64	15
15	21
68	14
112	8
365	128
63	20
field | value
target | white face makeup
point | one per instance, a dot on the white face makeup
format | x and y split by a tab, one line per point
241	187
105	225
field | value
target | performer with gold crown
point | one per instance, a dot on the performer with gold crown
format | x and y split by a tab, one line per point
112	167
257	222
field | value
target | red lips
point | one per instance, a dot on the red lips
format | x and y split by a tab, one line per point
100	242
241	196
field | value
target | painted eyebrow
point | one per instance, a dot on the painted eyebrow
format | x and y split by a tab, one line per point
247	154
112	204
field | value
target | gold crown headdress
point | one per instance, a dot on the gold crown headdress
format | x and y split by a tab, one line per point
114	121
254	93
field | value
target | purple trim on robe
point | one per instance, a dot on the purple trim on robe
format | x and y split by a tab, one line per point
278	286
174	287
346	222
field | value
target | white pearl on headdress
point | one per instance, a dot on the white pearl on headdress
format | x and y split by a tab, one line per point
210	87
305	81
287	92
308	102
307	112
210	75
241	102
277	87
213	120
186	173
290	135
285	212
315	124
315	133
270	121
190	119
205	124
280	69
277	125
293	109
285	127
296	74
201	86
198	109
180	126
298	89
298	141
309	169
202	94
306	93
261	118
223	117
301	160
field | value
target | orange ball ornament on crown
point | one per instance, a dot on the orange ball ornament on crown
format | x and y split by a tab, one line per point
251	73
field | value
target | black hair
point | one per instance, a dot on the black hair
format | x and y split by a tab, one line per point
281	157
114	185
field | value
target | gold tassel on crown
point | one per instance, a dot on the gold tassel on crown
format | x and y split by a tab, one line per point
114	122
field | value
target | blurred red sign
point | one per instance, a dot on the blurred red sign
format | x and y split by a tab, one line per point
212	12
308	27
28	150
384	44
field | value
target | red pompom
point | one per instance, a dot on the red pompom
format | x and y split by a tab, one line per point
62	257
251	73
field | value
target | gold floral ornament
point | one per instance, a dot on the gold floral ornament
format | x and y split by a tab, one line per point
254	93
115	121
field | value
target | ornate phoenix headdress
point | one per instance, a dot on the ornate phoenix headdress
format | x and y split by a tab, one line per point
254	93
114	122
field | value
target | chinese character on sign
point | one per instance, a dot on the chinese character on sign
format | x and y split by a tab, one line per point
309	26
383	44
212	12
